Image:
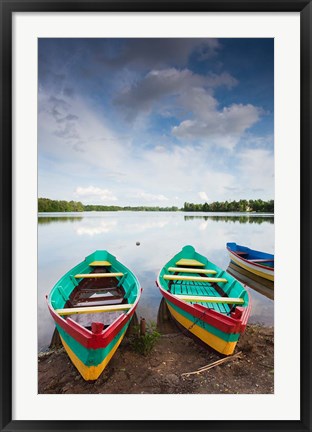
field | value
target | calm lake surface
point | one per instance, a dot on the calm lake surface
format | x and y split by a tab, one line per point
64	239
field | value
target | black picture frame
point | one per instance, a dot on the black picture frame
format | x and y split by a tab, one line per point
7	9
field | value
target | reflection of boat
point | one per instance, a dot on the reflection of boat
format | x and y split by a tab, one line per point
259	263
165	322
92	306
204	299
263	286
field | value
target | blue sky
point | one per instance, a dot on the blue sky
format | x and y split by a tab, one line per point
155	121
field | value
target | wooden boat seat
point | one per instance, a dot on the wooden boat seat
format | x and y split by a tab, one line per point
97	275
240	253
190	270
93	309
189	262
194	278
227	300
100	264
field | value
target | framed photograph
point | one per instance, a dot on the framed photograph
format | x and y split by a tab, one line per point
172	135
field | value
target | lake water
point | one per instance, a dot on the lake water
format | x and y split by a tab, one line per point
64	239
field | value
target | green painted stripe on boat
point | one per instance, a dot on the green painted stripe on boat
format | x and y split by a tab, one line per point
232	337
90	357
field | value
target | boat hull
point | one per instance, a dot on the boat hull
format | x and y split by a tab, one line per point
222	342
90	353
90	362
91	347
257	269
220	331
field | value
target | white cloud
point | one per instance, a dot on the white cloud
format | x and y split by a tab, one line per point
257	171
92	192
89	152
223	128
165	85
203	196
185	170
82	141
181	93
149	197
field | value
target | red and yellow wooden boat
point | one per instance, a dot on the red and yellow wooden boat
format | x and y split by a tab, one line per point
204	299
92	306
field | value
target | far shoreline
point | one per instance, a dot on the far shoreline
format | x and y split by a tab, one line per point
163	211
241	206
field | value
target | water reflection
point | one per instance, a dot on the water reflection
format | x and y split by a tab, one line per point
45	220
65	239
92	229
233	218
133	326
257	283
165	322
261	293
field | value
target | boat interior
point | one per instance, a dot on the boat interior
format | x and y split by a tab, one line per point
97	291
190	281
200	289
268	262
100	290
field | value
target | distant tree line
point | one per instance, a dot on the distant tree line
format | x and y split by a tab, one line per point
144	208
237	219
232	206
137	208
48	205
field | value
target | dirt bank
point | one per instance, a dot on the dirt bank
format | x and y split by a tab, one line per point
161	371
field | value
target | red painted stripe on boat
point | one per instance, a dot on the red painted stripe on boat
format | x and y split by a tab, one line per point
86	337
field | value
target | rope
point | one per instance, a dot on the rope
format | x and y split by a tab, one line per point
185	330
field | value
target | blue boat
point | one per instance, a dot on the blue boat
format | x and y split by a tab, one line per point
257	262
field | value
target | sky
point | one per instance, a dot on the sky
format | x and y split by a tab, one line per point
155	122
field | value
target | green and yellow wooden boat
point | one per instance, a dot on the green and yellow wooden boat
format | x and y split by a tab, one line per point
92	305
204	299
